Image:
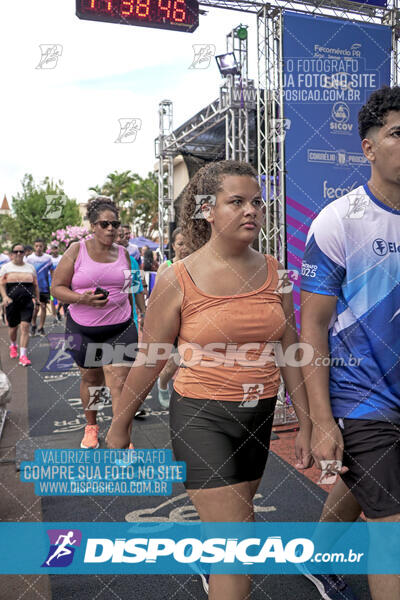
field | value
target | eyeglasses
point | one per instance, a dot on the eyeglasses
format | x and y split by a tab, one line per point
105	224
18	251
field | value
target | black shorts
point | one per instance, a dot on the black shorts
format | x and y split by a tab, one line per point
372	454
93	347
44	297
221	442
21	309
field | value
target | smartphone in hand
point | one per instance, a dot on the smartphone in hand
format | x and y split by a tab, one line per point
102	291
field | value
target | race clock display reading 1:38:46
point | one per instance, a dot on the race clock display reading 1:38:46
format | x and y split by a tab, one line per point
178	15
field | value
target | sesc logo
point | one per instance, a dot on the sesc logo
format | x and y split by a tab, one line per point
331	193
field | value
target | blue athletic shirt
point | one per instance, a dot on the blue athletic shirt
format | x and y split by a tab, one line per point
43	265
4	258
353	252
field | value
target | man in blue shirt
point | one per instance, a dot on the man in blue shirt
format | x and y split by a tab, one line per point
43	265
351	317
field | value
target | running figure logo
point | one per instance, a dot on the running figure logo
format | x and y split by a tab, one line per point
128	130
59	358
50	55
201	199
203	53
357	207
278	129
54	206
251	394
99	395
63	543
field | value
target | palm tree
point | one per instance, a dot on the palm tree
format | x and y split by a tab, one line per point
116	186
136	198
144	212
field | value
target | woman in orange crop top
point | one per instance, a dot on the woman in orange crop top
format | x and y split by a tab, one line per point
225	304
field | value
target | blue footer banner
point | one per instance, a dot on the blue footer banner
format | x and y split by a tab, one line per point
180	548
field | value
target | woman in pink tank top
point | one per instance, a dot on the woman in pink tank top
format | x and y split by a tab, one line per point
232	312
100	333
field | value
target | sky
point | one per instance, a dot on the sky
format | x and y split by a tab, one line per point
63	122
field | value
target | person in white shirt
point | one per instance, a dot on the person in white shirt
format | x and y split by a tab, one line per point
18	287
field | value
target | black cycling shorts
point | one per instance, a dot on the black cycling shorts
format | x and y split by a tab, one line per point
372	454
221	442
44	297
19	310
21	307
93	347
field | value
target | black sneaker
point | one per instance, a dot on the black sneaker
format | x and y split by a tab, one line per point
33	329
41	332
331	587
58	317
140	414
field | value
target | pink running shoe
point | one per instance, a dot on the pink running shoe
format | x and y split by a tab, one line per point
13	352
24	361
90	439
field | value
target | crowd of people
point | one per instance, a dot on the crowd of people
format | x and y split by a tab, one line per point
218	294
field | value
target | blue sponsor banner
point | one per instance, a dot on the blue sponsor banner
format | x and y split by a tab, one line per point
178	548
330	69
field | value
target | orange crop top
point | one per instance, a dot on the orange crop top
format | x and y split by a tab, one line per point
226	342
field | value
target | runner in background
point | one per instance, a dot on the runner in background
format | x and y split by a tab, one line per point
18	286
180	251
43	265
28	251
149	271
55	258
4	258
137	292
133	250
137	287
102	322
350	315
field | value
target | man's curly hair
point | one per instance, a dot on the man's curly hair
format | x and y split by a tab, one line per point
373	113
97	204
207	181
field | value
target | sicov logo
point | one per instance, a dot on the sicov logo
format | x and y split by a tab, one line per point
62	547
340	116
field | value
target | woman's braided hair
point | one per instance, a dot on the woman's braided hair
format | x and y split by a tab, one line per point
97	204
207	181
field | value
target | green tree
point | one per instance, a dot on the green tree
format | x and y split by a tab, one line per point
144	193
117	186
136	198
39	210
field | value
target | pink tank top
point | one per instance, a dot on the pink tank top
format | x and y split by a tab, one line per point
89	274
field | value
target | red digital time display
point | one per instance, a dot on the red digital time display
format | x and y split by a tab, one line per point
178	15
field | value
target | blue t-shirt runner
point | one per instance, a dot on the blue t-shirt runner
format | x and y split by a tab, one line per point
353	252
43	265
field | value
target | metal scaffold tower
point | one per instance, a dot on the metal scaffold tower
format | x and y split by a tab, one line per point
236	103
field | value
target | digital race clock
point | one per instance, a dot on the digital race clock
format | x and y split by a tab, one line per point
178	15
